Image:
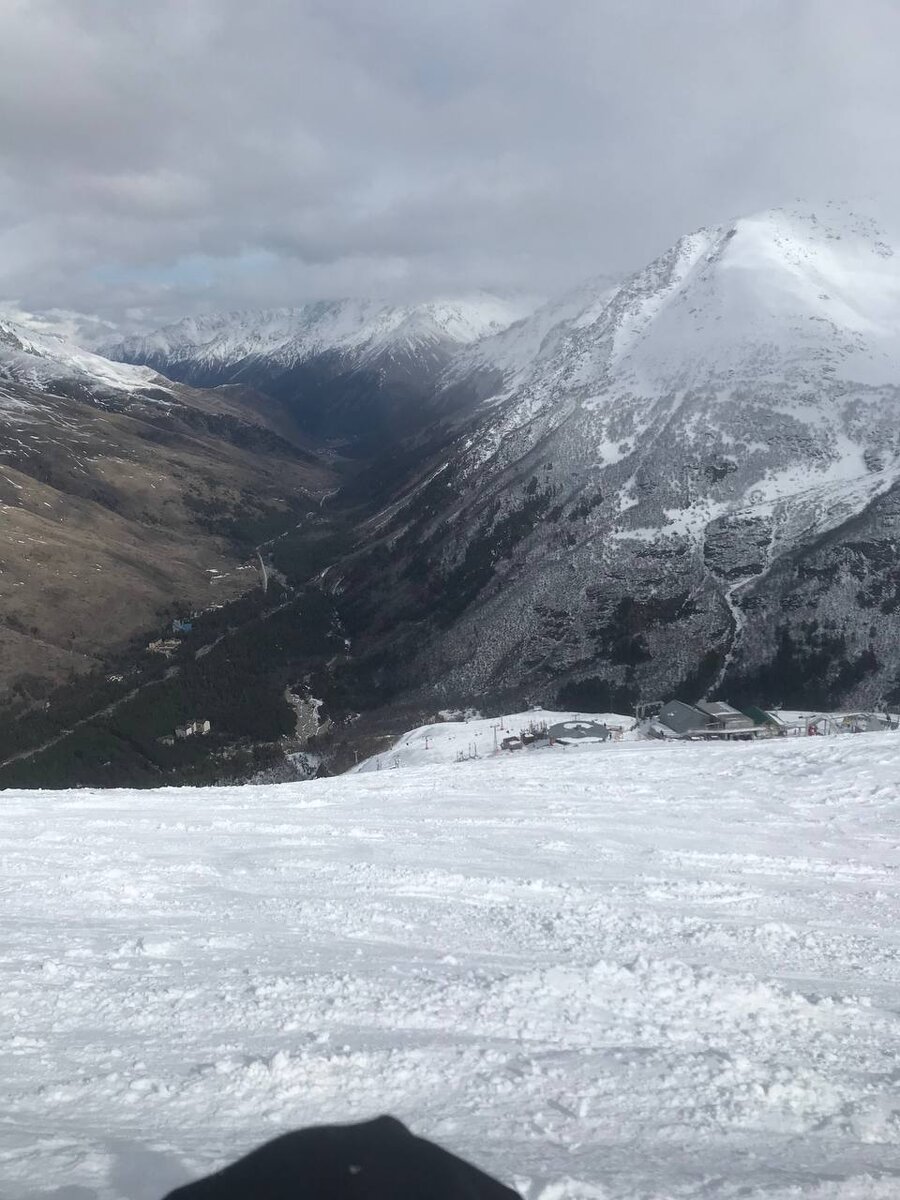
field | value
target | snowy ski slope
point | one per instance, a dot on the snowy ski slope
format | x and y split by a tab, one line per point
635	971
478	737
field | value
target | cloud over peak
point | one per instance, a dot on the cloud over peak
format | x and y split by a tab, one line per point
196	154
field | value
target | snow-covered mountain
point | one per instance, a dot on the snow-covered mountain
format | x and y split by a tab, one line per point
676	479
347	369
40	359
364	330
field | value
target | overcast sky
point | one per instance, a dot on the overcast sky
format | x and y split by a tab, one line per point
159	157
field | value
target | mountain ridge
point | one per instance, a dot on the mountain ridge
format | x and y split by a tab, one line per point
41	358
350	371
656	456
365	329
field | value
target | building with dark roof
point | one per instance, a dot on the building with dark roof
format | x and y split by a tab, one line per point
724	716
684	718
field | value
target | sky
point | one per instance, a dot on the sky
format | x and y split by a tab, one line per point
165	157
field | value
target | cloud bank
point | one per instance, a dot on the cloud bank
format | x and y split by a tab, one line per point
184	155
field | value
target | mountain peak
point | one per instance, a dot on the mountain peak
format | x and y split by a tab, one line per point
783	286
791	291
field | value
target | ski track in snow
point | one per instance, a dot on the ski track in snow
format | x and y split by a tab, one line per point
624	971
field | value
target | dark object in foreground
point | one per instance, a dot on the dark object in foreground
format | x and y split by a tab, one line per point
375	1160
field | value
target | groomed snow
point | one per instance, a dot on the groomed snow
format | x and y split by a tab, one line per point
634	971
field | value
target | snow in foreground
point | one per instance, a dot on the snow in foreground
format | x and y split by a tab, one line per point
617	973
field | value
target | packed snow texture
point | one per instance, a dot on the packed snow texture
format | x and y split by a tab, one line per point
634	970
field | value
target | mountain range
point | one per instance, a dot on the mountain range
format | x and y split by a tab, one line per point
354	372
683	481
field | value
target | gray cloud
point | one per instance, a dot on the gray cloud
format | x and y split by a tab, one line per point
163	157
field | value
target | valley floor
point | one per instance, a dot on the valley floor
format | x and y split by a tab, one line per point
633	970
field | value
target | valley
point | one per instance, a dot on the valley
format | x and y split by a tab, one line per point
682	483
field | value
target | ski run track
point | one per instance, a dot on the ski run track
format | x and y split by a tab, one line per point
632	971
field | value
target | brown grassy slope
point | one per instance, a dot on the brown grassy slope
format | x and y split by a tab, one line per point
110	515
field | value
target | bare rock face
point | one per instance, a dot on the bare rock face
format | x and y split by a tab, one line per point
736	547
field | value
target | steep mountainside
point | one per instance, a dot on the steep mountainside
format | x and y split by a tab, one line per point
688	480
353	370
123	496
